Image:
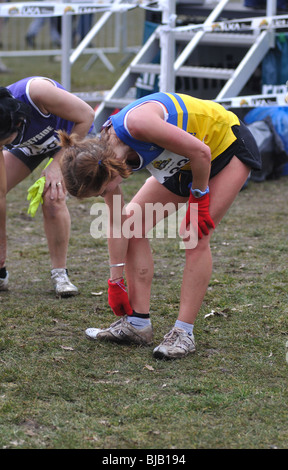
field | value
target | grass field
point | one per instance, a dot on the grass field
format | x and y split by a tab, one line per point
60	391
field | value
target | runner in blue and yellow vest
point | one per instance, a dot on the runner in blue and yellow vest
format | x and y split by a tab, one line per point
196	151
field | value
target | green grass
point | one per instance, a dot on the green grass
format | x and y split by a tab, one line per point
97	78
60	391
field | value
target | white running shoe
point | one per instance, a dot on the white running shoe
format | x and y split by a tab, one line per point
176	344
62	285
122	331
4	282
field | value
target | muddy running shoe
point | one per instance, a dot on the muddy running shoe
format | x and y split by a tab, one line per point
4	282
62	285
122	331
176	344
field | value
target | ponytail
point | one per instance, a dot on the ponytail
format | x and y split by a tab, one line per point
88	164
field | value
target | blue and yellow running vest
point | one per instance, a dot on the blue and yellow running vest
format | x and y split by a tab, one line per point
206	120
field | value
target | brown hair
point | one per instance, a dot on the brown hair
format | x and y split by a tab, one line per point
88	164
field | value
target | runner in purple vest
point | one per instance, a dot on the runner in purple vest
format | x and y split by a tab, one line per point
32	110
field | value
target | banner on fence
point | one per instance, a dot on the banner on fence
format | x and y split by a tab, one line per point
34	9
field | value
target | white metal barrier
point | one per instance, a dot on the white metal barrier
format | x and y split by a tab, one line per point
107	9
108	31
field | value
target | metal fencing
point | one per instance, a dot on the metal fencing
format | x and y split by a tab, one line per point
30	31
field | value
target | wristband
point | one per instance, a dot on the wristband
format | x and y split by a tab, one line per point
197	192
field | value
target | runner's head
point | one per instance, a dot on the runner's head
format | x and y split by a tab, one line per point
14	116
89	165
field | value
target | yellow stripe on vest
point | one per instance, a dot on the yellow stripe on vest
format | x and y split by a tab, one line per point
179	111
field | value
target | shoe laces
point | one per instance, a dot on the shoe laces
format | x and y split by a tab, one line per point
118	323
172	336
61	277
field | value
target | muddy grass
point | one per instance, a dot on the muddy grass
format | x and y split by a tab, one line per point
58	390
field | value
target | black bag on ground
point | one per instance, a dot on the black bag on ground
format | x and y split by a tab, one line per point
271	149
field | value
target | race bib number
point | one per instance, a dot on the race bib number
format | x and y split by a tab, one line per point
32	149
166	165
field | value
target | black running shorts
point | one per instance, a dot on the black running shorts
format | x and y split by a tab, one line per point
244	148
